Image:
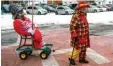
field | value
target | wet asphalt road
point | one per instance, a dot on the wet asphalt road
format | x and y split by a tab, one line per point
10	36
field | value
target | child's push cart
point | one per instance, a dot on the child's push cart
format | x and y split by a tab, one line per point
24	50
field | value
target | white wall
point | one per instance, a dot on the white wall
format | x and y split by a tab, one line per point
104	2
107	1
100	2
37	2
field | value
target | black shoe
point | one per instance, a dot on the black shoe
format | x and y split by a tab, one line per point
72	62
83	61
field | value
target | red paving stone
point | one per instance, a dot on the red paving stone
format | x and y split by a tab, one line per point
10	58
60	39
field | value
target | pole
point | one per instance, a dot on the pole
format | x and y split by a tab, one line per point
32	12
32	23
73	51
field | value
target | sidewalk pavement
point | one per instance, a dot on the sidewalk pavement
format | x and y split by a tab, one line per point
99	54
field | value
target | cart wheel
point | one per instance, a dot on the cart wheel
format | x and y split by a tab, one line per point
43	55
29	52
23	55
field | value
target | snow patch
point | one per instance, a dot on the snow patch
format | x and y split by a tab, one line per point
51	18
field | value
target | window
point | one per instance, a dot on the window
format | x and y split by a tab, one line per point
31	8
60	8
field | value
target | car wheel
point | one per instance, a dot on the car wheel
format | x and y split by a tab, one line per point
66	13
56	13
95	11
39	13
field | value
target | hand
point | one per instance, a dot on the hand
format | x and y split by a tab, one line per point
31	31
73	35
35	25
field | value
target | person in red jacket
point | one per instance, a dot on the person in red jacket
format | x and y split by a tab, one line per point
79	30
23	25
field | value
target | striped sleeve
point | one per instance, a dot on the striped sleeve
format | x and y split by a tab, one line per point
73	25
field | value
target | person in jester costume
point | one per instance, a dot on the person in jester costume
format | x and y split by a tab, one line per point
79	30
24	27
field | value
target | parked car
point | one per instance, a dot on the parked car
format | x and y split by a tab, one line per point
94	9
64	10
73	6
111	6
49	8
36	10
108	8
53	6
103	8
5	8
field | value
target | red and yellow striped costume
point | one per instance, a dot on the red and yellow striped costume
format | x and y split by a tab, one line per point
79	28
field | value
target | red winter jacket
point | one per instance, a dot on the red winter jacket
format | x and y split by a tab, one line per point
18	28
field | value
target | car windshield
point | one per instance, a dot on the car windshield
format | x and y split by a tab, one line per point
50	7
39	7
94	7
53	6
6	7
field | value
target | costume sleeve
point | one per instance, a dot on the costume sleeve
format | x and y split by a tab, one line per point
27	19
74	26
18	28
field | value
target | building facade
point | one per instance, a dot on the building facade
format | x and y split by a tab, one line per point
104	2
57	2
54	2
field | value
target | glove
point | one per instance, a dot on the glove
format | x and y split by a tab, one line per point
31	31
36	25
73	35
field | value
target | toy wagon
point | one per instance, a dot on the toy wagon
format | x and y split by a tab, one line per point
25	50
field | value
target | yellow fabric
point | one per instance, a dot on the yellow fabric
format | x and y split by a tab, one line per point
75	53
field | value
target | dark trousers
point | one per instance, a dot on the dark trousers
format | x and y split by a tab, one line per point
82	54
